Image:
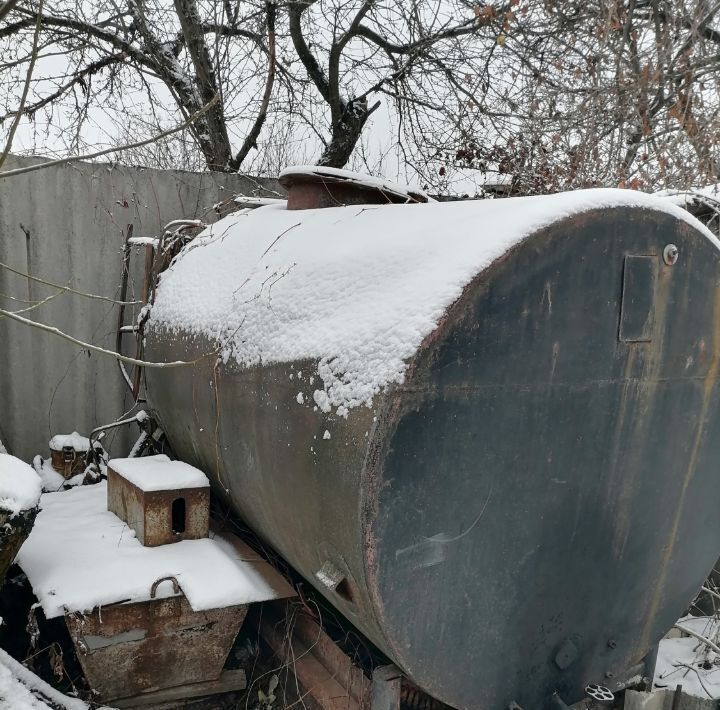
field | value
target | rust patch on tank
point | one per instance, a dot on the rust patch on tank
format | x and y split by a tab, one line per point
709	383
648	355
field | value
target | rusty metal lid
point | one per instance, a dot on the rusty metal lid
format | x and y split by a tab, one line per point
315	186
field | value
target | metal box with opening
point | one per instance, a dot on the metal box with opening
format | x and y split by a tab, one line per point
150	625
163	501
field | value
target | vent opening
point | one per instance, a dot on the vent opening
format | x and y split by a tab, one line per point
178	516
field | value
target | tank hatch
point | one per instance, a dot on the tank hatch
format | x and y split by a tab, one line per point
312	187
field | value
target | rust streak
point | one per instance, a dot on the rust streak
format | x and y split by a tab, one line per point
708	388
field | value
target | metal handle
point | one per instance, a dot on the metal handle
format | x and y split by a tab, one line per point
158	582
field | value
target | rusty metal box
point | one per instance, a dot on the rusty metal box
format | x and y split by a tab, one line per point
68	453
128	649
159	517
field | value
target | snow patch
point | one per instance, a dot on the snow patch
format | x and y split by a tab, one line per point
709	194
355	289
75	440
51	480
20	486
688	662
21	689
80	556
158	473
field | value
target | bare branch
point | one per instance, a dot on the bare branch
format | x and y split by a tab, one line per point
6	8
251	139
26	88
97	349
107	151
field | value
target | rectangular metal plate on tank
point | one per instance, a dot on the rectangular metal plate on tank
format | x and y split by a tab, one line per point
638	299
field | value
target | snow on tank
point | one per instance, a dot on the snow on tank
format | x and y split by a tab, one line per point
356	288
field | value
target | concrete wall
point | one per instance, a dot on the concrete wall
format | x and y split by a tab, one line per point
66	224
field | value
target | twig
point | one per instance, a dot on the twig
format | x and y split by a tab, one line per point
98	349
107	151
26	88
699	637
6	7
68	288
282	234
697	673
39	303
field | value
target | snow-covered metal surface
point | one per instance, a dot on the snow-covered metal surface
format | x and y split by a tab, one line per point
356	288
19	485
158	473
80	556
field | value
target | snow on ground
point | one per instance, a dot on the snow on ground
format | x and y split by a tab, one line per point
156	473
51	480
356	288
688	662
20	689
19	485
80	556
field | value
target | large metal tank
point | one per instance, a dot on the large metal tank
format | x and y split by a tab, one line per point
536	501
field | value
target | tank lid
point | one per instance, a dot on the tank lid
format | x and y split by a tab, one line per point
314	186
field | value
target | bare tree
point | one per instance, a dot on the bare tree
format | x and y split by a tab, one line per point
322	65
409	52
139	55
550	95
599	92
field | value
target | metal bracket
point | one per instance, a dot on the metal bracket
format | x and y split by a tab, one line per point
385	691
158	582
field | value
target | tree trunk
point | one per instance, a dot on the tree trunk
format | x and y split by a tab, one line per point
345	135
212	135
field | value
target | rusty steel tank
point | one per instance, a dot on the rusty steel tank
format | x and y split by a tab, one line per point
528	504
